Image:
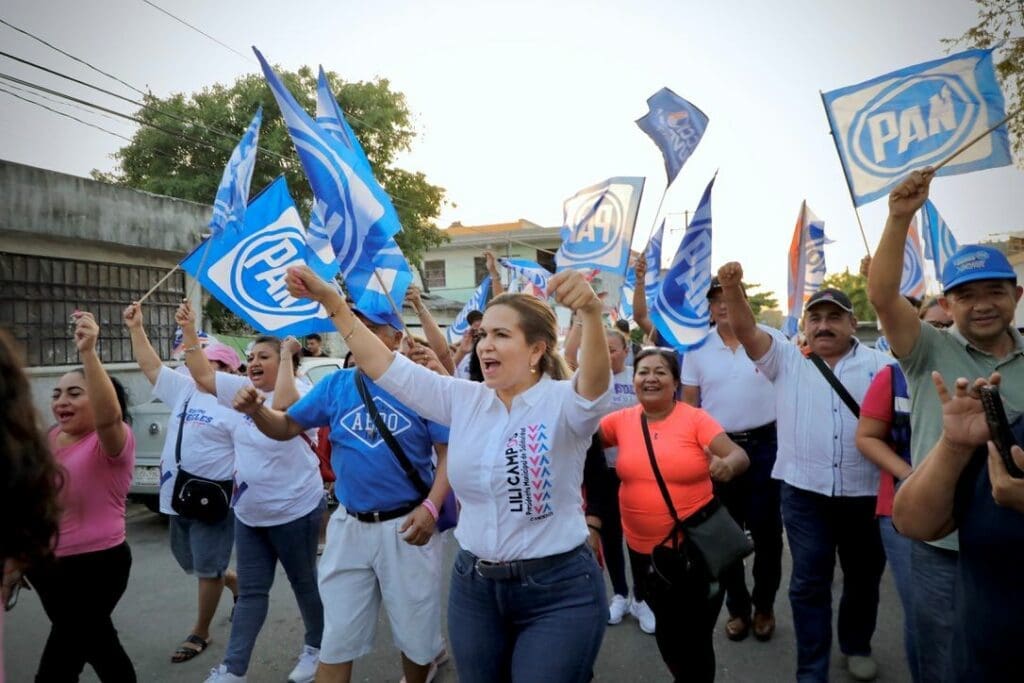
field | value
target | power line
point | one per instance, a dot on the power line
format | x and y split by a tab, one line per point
64	103
65	114
198	30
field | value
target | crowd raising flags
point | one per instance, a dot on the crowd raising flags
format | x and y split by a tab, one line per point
597	226
477	302
233	193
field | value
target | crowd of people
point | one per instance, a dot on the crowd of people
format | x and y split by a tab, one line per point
551	457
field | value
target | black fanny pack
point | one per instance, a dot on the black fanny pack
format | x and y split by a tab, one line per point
195	497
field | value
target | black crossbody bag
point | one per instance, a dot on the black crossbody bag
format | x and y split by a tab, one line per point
836	385
711	531
195	497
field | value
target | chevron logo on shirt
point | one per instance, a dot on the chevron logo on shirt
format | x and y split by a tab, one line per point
528	472
359	423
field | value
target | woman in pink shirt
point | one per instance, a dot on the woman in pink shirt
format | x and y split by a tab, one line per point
79	590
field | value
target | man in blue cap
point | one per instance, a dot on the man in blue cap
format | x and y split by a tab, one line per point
980	292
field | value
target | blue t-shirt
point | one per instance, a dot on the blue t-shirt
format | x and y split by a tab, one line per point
989	600
369	476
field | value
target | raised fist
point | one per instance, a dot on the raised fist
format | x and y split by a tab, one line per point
730	275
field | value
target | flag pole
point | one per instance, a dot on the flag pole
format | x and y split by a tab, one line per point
849	187
394	307
977	139
199	270
162	280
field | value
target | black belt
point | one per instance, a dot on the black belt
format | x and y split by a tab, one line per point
516	569
383	515
754	434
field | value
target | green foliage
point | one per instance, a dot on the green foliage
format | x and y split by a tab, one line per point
854	286
760	301
220	320
1002	21
178	164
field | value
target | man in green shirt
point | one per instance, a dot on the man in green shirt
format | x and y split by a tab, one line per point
980	292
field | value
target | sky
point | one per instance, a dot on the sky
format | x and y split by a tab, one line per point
518	105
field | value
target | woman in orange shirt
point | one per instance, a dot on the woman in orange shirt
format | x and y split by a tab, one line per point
691	450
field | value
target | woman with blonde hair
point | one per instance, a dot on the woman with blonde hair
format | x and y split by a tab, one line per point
527	599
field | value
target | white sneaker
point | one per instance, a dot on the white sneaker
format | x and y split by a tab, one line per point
618	608
644	615
305	669
222	675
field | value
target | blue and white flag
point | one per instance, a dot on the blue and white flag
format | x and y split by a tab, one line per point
389	264
912	282
805	265
652	278
351	215
676	126
477	302
233	192
530	273
626	298
681	312
915	117
939	243
245	270
597	226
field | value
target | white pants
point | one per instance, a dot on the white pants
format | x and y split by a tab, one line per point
365	563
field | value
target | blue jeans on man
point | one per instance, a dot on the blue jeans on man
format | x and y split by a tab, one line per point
933	577
817	527
897	553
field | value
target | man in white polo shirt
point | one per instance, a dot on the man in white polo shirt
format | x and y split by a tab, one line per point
720	378
828	487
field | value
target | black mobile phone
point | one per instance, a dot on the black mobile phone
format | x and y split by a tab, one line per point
999	426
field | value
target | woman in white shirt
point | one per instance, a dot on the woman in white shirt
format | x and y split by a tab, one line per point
278	501
206	449
527	599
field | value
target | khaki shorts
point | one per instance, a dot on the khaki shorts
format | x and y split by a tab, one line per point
365	564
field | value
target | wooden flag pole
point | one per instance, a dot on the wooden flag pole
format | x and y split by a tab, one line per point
199	270
152	289
849	188
977	138
394	306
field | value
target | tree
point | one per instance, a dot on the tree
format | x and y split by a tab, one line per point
760	301
854	286
1002	21
183	153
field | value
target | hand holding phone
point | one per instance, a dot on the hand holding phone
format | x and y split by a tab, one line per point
999	426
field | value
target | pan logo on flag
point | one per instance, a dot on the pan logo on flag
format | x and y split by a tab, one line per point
895	131
681	131
597	226
257	268
682	287
815	258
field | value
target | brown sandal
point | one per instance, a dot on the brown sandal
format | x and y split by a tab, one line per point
185	653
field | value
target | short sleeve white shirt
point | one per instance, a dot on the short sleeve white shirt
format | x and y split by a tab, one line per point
623	396
517	473
276	482
207	440
816	430
732	388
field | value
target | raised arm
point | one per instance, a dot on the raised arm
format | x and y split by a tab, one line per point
110	426
572	342
199	365
898	317
369	352
145	355
640	315
497	286
571	290
435	337
923	508
285	393
756	341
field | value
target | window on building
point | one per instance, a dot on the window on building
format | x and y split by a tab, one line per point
546	259
434	273
479	270
39	294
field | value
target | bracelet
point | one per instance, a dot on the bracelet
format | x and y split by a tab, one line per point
346	337
431	508
595	528
194	347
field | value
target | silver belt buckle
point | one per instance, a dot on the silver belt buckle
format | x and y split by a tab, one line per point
376	515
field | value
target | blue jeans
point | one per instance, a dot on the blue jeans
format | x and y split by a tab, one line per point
544	626
752	499
257	551
897	552
818	526
933	576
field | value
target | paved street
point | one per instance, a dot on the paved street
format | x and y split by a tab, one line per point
158	608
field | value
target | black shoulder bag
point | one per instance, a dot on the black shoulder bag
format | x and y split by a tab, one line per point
836	385
717	538
198	498
448	515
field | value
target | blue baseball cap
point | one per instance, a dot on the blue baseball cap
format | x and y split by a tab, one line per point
973	262
388	317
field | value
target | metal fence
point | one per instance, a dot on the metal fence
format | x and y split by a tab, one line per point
38	295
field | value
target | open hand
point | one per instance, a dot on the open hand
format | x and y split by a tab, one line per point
963	419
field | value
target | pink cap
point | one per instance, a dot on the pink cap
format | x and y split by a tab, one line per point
224	354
